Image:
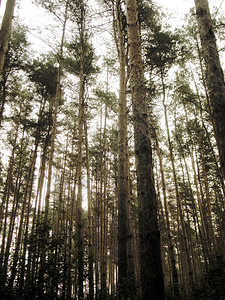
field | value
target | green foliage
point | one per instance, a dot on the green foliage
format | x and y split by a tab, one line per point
80	53
17	52
78	9
161	47
183	93
148	15
43	72
108	98
161	50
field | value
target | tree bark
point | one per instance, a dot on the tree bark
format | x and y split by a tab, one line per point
152	284
5	31
123	183
90	222
79	178
214	75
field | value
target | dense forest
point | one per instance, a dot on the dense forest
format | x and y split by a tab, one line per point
112	157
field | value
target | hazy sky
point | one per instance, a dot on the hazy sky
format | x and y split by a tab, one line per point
29	13
177	7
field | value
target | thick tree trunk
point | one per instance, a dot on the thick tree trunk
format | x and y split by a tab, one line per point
152	284
5	31
214	75
125	277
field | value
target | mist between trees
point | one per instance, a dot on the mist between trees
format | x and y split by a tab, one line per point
112	152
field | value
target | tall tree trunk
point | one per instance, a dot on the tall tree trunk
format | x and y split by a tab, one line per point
13	211
103	208
90	234
4	93
202	231
97	235
28	188
5	31
27	194
214	75
4	209
79	178
51	155
184	237
124	278
150	254
70	234
171	251
6	193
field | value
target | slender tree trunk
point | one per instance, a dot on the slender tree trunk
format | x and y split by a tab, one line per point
97	239
59	225
42	269
3	97
179	206
70	236
4	209
188	224
6	193
27	194
207	239
214	75
168	229
206	205
206	129
90	225
13	211
79	178
202	231
34	248
24	206
103	210
5	31
152	283
197	227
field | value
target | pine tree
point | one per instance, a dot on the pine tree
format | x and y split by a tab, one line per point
214	74
149	241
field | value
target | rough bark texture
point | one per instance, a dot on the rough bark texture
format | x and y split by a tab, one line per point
123	183
150	257
5	31
214	75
